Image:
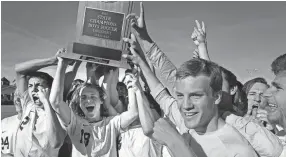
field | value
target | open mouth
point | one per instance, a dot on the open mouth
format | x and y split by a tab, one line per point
254	106
35	98
90	108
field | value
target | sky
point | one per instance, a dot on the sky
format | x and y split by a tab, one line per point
242	36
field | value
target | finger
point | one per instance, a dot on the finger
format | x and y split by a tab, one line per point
198	24
132	15
142	12
254	112
133	38
127	40
193	35
203	27
259	115
133	51
259	111
196	31
129	57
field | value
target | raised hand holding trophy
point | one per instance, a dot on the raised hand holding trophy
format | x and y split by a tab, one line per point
99	32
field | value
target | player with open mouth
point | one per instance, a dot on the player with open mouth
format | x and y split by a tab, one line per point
91	133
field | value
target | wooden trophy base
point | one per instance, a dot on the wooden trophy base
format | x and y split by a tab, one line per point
96	54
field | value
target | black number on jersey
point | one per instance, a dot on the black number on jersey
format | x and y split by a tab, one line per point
84	137
24	122
5	142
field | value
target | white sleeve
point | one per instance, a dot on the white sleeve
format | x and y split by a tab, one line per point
265	143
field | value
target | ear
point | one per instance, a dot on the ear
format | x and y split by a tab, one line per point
218	96
233	90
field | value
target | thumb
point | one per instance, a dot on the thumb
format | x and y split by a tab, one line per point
133	51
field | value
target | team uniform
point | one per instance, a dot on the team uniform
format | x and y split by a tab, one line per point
94	139
9	127
34	133
135	144
224	142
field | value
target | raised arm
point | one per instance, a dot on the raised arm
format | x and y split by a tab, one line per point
108	78
70	75
131	114
55	131
146	116
162	96
164	69
22	69
57	91
114	97
199	38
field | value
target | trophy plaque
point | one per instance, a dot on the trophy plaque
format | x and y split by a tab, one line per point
99	31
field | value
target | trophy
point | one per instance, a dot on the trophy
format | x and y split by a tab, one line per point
99	31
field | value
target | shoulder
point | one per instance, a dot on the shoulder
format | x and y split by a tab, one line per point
235	142
10	120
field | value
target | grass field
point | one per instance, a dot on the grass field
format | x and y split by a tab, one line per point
7	110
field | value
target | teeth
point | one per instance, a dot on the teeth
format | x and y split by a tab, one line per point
272	105
190	114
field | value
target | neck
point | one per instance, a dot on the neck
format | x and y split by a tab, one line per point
95	119
213	125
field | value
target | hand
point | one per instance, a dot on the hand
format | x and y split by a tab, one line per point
43	94
132	41
58	55
199	33
196	53
138	24
262	116
91	67
134	57
164	131
132	81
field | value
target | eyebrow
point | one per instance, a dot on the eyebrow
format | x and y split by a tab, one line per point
275	84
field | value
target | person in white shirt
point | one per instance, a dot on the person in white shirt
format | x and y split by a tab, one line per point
133	142
91	133
39	132
198	90
9	127
275	111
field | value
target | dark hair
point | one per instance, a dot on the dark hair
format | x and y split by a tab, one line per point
248	85
229	76
240	99
75	101
42	75
196	67
75	84
123	98
279	64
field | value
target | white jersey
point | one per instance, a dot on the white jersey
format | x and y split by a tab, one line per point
9	128
225	142
94	139
34	133
135	144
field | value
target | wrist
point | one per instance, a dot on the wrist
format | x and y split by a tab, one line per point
53	60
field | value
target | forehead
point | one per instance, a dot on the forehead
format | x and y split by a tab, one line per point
36	80
258	87
193	84
89	91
